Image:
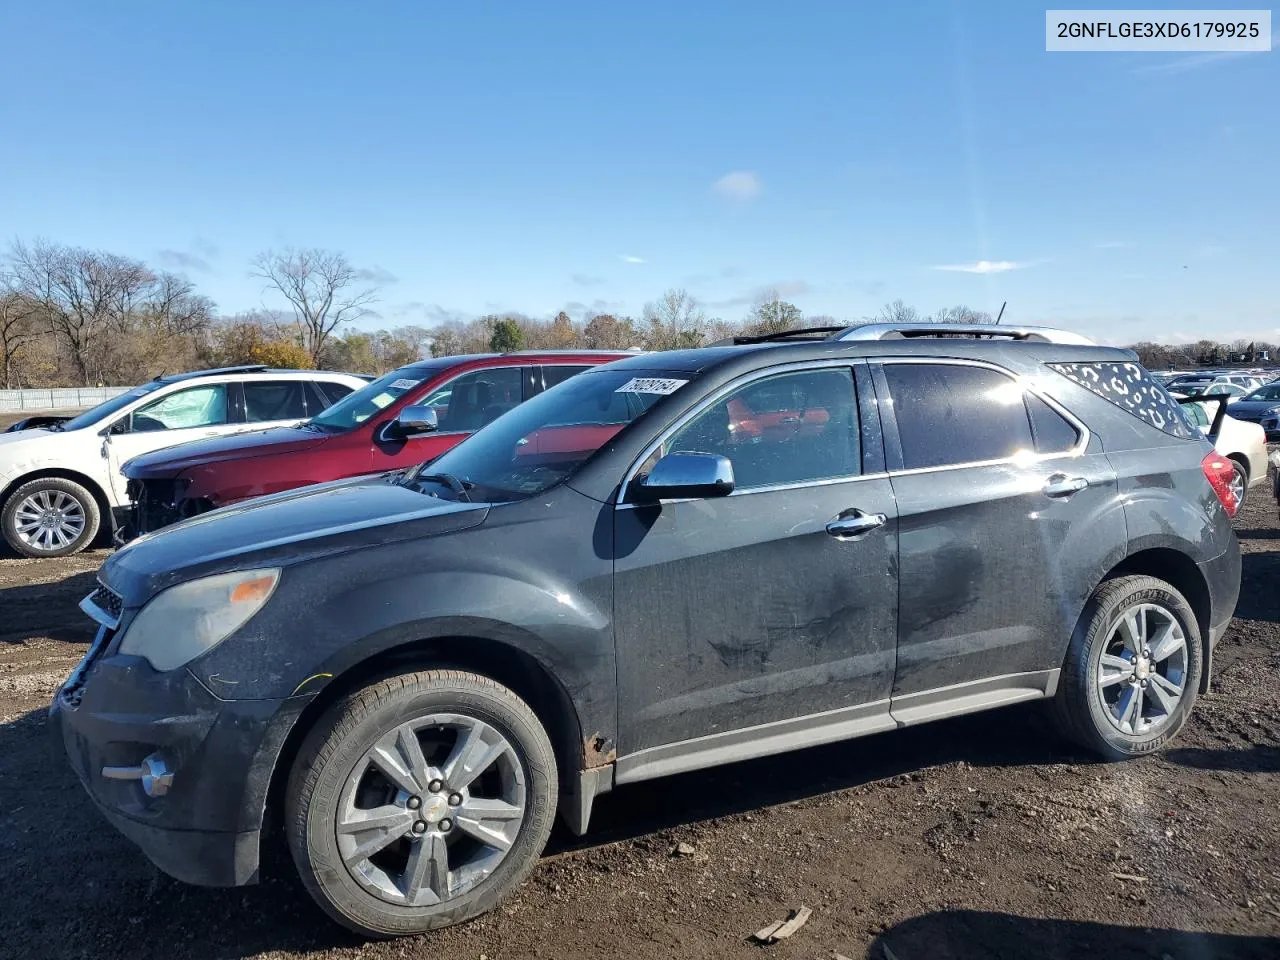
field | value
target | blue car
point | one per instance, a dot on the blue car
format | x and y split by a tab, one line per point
1262	406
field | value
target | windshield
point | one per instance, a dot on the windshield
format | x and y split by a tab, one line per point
355	408
1270	392
543	441
108	407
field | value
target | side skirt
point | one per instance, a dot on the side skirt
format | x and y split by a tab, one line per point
782	736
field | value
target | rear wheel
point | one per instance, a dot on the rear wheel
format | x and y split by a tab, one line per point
50	517
420	801
1132	670
1239	483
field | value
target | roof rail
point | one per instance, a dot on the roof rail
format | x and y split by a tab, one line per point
800	333
981	331
216	371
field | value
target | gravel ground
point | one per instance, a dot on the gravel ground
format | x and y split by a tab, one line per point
978	837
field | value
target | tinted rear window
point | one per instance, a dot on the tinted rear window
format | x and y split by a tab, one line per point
952	413
1132	389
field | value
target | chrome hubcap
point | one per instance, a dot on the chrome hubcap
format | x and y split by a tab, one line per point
1142	674
49	520
431	810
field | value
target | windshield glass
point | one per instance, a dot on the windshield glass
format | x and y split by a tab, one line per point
543	441
1270	392
355	408
108	407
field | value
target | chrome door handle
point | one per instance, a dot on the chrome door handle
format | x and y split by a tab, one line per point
1060	485
854	523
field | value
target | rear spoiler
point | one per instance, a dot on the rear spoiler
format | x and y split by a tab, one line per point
1221	399
33	423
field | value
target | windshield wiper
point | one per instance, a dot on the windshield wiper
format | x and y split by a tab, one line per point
459	487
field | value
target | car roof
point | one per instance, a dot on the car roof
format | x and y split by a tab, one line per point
253	371
748	356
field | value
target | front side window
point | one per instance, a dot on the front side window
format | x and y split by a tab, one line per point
356	408
951	414
476	399
274	400
203	406
789	428
1270	392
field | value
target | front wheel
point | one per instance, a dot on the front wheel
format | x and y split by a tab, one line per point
1132	671
50	517
420	801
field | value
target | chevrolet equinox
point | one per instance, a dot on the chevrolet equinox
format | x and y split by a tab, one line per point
669	562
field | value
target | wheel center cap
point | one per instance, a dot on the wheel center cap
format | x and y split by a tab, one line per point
1142	669
434	808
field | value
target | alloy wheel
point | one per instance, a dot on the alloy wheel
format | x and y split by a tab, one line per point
1142	673
431	809
49	520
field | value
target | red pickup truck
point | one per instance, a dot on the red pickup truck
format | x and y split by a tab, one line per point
404	418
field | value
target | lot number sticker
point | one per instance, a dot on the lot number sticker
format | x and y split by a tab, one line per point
658	385
403	384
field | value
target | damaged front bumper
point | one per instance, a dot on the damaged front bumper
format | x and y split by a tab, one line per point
181	773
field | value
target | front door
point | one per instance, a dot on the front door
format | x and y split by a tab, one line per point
1006	520
767	608
193	413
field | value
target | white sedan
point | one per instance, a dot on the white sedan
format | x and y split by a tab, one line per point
1241	442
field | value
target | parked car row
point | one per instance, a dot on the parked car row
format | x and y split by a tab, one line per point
662	563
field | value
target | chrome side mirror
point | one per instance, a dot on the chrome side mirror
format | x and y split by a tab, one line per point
679	476
415	419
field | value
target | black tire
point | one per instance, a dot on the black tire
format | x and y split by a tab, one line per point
56	488
341	739
1079	709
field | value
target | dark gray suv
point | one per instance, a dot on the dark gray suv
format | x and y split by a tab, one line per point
673	561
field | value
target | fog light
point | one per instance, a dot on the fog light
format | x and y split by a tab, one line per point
154	773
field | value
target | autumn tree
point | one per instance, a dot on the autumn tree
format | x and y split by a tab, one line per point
604	331
251	339
323	288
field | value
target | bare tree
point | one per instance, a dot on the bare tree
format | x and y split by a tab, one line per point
674	320
83	293
323	288
961	314
175	308
897	312
18	326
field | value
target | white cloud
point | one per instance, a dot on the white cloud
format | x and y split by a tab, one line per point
628	258
982	266
739	185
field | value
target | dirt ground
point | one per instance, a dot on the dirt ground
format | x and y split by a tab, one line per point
979	837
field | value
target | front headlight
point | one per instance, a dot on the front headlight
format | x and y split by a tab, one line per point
185	621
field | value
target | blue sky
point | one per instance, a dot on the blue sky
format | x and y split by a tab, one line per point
503	156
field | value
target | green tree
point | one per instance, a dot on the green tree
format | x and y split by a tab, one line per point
507	337
772	314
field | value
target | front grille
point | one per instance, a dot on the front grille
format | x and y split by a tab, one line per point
104	598
156	503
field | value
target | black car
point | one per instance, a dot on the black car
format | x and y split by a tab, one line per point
1262	406
673	561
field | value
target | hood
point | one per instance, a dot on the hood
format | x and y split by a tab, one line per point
174	460
1252	406
9	442
30	423
283	529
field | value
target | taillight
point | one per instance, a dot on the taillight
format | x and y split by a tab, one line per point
1220	471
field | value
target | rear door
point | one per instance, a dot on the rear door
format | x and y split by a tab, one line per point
759	609
275	403
999	496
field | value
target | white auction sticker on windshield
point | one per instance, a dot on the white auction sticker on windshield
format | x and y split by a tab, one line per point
402	384
659	385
